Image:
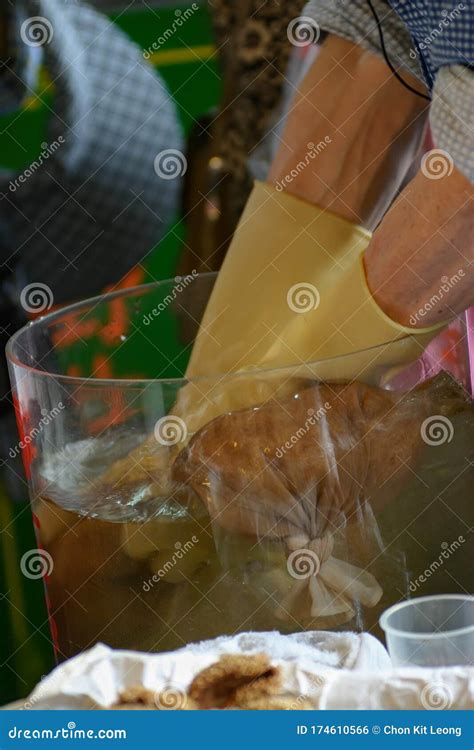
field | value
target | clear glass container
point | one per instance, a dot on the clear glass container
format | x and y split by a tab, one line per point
134	556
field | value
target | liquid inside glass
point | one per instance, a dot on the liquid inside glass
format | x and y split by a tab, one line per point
145	571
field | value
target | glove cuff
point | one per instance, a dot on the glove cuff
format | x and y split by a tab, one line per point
389	322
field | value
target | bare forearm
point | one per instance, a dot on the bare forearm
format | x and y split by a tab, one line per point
420	262
371	126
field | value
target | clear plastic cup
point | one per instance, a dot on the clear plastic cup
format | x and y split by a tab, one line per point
135	565
431	631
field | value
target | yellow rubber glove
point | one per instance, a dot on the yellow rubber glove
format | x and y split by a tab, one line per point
292	295
292	291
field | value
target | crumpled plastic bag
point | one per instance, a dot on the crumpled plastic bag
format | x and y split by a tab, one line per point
198	403
302	467
286	483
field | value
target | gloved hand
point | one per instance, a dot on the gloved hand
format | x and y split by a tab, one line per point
259	318
281	243
291	291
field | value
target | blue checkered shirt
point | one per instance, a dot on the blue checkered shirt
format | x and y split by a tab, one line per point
434	40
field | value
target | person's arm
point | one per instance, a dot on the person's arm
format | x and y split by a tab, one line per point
372	128
425	273
419	264
426	241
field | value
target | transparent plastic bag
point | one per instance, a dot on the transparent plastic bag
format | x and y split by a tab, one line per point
308	473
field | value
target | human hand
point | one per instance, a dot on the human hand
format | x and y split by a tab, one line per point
420	261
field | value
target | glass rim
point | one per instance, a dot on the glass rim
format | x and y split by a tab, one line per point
98	299
391	630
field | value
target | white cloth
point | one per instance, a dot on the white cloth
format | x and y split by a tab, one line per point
332	670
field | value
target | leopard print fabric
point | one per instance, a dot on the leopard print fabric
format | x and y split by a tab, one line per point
254	48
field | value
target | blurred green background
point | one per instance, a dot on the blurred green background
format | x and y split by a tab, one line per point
188	64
